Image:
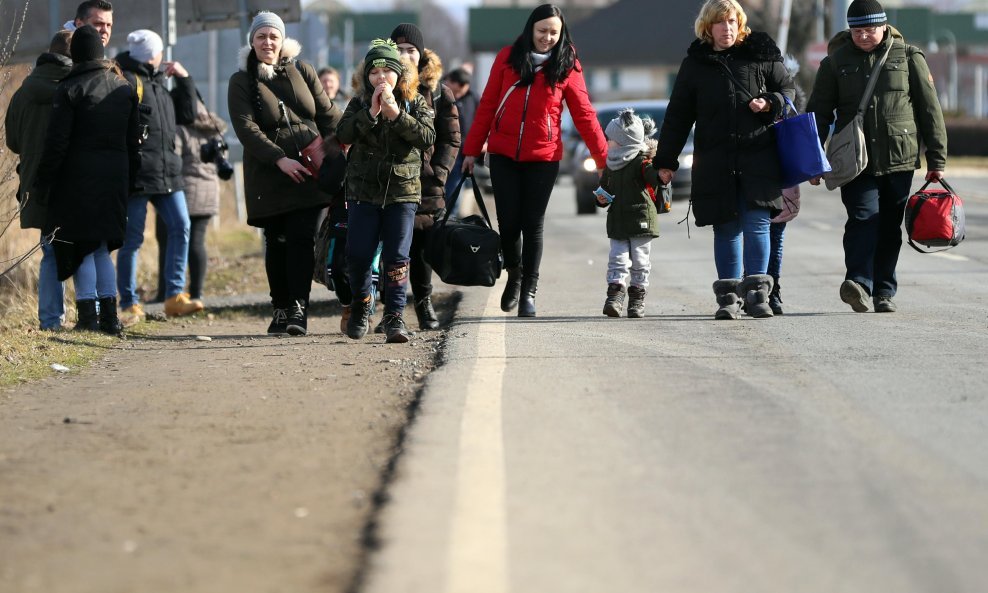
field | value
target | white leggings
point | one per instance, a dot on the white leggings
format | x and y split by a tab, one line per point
630	255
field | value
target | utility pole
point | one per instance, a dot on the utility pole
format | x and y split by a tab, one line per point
785	13
838	16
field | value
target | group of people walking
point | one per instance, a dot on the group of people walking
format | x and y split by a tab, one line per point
408	136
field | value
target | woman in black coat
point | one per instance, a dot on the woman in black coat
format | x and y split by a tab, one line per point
731	86
89	158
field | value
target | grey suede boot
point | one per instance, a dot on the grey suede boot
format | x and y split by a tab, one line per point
754	291
727	299
614	304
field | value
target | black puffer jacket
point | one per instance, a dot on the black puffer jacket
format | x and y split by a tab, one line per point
161	166
734	148
439	158
90	151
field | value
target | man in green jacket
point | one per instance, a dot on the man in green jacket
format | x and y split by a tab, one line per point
903	113
26	122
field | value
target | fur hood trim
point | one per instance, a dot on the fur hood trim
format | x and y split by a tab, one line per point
408	83
756	46
290	50
430	71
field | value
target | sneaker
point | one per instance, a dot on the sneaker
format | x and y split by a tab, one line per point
297	319
884	304
854	294
426	314
345	317
180	305
279	322
132	315
356	327
394	327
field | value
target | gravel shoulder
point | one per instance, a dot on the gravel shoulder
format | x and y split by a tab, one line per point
243	463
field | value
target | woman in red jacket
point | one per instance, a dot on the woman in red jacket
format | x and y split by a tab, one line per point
518	117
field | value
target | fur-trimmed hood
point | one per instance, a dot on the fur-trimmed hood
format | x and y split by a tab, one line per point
430	70
407	87
756	46
290	50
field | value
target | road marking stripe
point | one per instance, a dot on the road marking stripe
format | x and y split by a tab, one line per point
478	550
951	256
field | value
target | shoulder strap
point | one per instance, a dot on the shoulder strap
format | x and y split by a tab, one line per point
451	205
137	84
873	80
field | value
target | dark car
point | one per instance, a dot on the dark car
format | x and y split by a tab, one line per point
584	169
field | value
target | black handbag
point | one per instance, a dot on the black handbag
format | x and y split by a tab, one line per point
465	251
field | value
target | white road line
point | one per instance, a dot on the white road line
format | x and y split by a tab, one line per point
820	226
951	256
478	545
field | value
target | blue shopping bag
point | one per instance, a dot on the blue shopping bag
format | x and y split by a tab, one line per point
800	153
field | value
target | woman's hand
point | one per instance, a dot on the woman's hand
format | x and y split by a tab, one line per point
759	105
293	169
468	162
665	175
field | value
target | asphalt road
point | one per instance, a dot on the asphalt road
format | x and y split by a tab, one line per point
819	451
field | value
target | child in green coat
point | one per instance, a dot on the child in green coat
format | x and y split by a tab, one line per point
626	189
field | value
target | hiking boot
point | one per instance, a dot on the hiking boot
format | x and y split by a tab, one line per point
775	298
614	305
512	290
297	320
345	318
109	323
754	290
426	314
180	305
854	294
356	326
88	319
394	327
195	300
884	304
132	315
727	299
636	302
379	328
279	322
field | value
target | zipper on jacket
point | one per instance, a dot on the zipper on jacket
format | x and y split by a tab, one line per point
548	123
524	115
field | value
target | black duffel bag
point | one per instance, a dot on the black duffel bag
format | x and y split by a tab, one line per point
465	251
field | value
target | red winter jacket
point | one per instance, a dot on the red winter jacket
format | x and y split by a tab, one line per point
539	139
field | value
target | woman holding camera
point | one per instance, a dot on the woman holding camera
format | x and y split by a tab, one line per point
278	107
204	163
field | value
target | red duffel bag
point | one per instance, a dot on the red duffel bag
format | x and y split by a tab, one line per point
935	218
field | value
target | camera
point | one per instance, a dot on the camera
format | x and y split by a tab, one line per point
214	151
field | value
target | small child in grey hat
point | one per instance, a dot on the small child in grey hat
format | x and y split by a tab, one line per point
628	189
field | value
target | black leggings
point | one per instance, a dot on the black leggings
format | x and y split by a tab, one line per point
197	254
289	241
521	194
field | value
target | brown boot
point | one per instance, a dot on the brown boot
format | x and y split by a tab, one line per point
180	305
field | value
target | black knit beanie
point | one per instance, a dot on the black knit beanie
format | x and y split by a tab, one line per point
865	13
409	33
86	45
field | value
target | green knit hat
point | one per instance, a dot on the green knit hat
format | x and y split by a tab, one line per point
383	53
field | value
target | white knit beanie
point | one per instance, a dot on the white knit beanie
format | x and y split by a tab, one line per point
144	44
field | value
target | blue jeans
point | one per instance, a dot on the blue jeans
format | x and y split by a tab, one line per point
51	292
175	213
777	236
873	231
750	234
95	277
392	225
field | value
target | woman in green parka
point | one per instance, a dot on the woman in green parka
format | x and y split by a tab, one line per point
277	107
388	125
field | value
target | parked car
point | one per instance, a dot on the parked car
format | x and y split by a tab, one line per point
584	169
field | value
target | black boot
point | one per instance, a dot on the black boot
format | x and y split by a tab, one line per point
279	322
426	314
109	323
526	301
512	289
636	302
614	304
356	326
298	316
775	298
88	319
394	327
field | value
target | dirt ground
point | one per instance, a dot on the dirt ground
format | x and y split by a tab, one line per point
247	463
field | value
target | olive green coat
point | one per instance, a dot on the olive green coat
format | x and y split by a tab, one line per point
266	136
384	163
632	213
904	110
